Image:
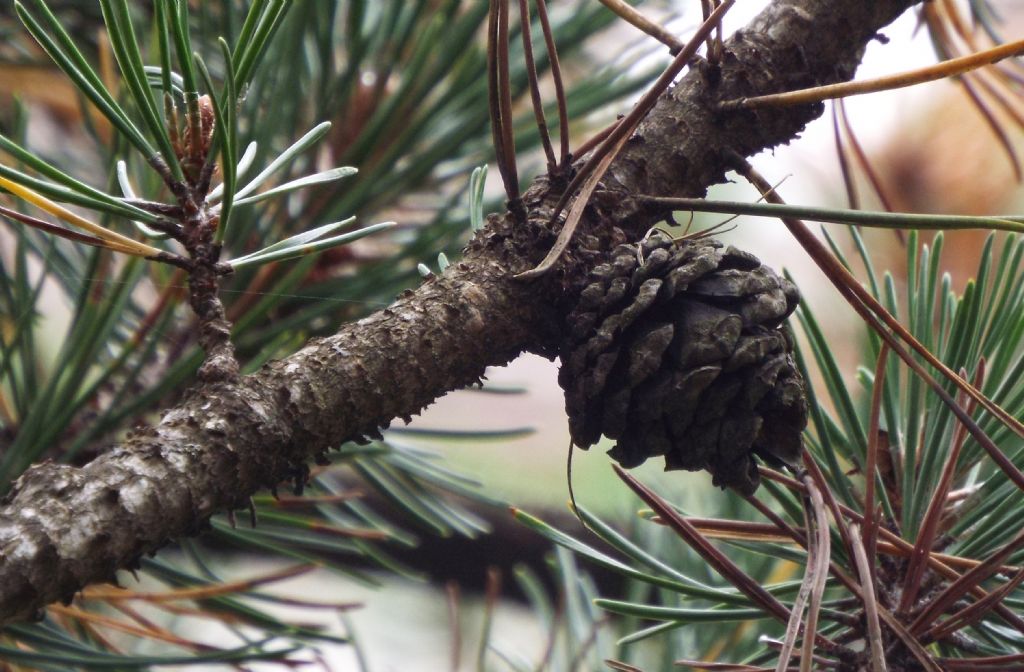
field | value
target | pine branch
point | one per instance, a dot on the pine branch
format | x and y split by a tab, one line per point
62	527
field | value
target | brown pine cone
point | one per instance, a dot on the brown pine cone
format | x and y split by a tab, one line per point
678	349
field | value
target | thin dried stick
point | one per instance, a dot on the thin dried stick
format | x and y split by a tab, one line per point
821	561
796	535
933	514
964	584
556	77
844	162
531	76
116	240
877	185
133	614
739	530
493	97
658	32
492	592
998	663
498	93
711	555
817	94
973	613
905	636
865	568
709	667
60	231
706	7
196	592
870	537
162	635
779	531
716	48
796	615
818	477
505	93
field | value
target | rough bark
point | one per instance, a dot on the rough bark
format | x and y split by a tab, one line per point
62	528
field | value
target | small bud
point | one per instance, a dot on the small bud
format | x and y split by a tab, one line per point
207	121
195	144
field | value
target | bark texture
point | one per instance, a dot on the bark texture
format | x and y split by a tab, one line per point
62	528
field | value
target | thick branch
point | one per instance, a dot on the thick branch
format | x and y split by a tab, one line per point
63	527
793	44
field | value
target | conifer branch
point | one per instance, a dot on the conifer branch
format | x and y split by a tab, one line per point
62	527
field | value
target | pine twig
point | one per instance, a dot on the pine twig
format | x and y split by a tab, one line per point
943	70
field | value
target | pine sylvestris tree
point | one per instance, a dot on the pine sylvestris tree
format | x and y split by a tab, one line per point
570	269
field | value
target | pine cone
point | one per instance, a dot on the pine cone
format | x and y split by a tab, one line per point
677	349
